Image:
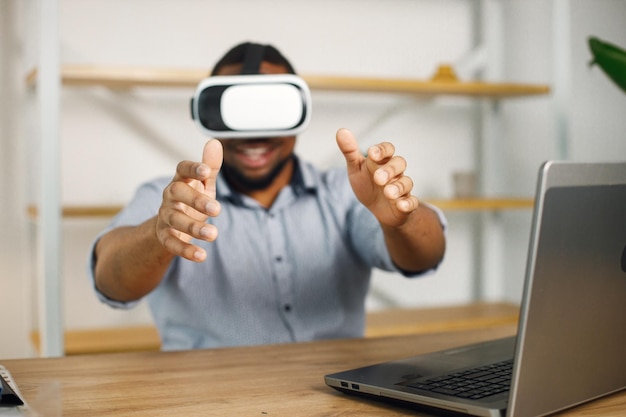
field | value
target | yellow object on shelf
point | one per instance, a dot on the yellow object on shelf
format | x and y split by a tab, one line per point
445	73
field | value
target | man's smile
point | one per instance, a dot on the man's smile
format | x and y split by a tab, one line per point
256	154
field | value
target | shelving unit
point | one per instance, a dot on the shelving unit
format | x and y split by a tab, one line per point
444	82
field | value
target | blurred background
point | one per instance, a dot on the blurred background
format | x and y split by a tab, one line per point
112	139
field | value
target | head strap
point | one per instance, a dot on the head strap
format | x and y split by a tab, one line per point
252	59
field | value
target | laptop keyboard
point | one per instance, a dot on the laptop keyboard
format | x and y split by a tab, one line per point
473	384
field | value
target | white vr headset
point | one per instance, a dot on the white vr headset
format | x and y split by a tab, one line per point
251	106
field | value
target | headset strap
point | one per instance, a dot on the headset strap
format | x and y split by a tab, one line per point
252	59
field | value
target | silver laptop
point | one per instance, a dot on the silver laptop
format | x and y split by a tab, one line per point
570	342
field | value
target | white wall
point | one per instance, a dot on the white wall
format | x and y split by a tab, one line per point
16	297
113	140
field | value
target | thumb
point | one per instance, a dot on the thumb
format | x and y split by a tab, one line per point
350	148
212	156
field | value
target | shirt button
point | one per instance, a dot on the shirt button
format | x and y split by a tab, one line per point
278	259
287	307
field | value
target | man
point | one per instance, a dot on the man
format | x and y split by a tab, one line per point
296	246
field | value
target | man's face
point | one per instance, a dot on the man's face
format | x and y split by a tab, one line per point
252	164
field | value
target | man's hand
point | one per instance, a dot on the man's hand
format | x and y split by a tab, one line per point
378	179
187	203
413	233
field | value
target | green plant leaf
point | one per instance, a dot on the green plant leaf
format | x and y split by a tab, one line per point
611	59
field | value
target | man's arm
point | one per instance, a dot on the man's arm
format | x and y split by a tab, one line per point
419	244
413	233
131	260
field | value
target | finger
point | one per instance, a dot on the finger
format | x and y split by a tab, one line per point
179	192
407	204
380	152
392	169
183	223
212	156
189	170
175	231
349	147
398	188
172	243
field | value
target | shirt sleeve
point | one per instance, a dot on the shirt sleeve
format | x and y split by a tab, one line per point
144	204
368	240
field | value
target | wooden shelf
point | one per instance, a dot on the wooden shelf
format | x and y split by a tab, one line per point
403	321
453	204
483	203
426	88
106	340
80	211
443	83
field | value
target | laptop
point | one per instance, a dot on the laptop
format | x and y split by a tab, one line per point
569	347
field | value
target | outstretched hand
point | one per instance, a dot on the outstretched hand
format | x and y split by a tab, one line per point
378	179
188	200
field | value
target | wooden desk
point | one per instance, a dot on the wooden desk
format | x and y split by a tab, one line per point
280	380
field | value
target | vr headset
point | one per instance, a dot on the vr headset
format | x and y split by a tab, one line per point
251	106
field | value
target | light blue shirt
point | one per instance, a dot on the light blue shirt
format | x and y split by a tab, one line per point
297	271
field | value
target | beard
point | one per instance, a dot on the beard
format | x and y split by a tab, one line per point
239	181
